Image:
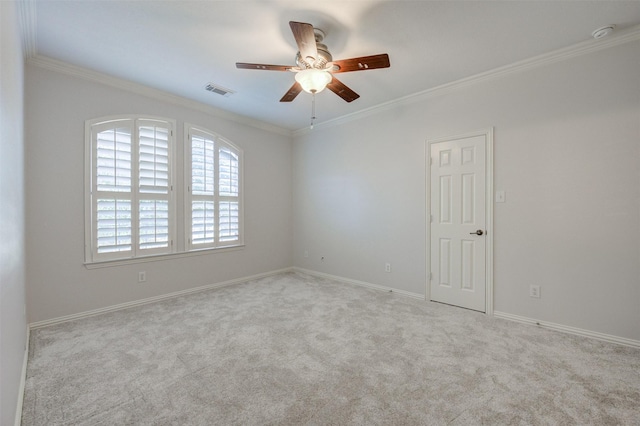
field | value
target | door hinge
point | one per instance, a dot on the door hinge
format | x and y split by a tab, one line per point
430	276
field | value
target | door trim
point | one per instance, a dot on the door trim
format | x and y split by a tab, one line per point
488	134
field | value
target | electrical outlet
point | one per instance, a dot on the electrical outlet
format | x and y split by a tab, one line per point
387	267
142	276
306	253
322	259
534	291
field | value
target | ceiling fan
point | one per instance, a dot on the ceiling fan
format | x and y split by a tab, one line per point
315	66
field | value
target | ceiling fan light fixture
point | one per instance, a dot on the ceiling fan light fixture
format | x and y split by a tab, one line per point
315	66
313	80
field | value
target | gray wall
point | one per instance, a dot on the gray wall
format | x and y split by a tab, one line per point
13	324
567	153
59	284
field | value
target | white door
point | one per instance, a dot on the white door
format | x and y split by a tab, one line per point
458	221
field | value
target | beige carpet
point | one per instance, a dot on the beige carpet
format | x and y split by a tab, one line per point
298	350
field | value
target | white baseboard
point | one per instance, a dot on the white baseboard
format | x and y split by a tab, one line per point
118	307
552	326
568	329
359	283
23	383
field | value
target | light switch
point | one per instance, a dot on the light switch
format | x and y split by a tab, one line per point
500	197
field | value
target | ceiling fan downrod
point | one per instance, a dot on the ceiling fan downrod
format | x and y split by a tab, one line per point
313	109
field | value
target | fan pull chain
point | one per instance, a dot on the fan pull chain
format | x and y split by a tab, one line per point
313	109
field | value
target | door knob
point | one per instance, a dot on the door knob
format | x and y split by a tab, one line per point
478	232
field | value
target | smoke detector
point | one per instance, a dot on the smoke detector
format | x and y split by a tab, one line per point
603	31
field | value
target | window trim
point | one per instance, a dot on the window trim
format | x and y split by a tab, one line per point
160	257
179	235
134	121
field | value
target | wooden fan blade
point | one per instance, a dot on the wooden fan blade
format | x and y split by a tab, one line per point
243	65
292	93
306	40
340	89
363	63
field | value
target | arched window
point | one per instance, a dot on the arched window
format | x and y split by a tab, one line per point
131	193
214	190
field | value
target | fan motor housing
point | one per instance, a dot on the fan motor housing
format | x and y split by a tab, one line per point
324	56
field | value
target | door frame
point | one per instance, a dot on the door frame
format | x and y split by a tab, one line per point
488	135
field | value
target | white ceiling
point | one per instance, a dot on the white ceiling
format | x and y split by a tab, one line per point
180	46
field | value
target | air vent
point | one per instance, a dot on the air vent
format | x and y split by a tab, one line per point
219	90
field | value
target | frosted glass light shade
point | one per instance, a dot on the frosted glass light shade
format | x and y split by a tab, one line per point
313	80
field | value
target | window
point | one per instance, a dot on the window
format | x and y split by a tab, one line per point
213	192
131	206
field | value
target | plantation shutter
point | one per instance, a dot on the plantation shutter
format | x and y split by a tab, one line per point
202	190
228	209
112	189
214	191
130	193
130	209
153	187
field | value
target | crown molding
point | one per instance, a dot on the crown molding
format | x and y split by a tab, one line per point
579	49
140	89
28	22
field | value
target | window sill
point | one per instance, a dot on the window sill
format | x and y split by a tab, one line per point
160	257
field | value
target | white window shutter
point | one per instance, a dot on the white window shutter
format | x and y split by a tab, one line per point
202	190
214	168
229	221
131	204
228	184
153	160
202	222
153	187
112	178
113	160
130	209
202	165
113	225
